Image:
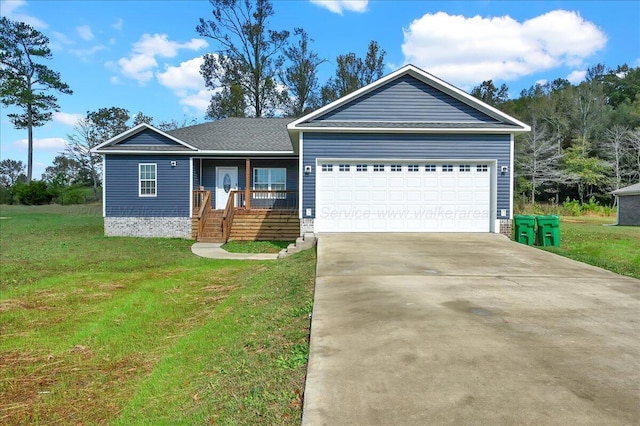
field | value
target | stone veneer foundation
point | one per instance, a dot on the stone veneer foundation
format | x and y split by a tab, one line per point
167	227
505	227
306	226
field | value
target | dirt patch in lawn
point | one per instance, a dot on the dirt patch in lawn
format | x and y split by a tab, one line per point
89	385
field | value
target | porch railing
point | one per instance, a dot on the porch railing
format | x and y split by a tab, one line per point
204	208
267	200
198	198
227	215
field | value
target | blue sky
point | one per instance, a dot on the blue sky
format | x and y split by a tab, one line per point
145	55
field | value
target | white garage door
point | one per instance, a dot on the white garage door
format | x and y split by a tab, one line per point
368	196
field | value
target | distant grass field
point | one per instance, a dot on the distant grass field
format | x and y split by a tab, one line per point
97	330
589	240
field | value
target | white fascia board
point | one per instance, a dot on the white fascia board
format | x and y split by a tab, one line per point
198	153
248	152
512	149
147	152
300	172
410	130
135	130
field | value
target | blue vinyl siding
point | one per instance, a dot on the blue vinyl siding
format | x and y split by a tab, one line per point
406	99
209	172
148	137
122	199
406	147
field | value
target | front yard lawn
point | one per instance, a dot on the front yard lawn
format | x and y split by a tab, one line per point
589	240
140	331
255	246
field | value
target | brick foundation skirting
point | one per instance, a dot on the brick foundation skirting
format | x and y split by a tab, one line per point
165	227
506	227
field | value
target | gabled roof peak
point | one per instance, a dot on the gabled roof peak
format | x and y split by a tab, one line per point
424	77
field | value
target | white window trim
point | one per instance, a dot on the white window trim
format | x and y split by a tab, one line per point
140	194
269	184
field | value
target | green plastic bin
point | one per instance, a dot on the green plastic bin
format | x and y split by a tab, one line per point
548	230
524	229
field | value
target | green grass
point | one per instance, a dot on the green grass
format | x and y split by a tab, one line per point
256	246
140	331
587	239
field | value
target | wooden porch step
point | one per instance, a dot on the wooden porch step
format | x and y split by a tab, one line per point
210	240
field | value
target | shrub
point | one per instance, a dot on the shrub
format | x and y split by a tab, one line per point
71	195
34	193
571	207
6	195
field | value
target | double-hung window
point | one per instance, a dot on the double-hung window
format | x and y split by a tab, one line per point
147	180
270	179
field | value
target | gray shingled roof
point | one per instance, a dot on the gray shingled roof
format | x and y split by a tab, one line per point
407	125
238	134
628	190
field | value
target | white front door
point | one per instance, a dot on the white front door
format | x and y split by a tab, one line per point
226	181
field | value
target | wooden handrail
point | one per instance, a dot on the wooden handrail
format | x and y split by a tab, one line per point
227	215
198	196
203	212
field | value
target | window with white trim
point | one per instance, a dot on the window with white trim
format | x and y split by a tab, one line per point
147	180
269	179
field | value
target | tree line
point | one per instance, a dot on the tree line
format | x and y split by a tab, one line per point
584	140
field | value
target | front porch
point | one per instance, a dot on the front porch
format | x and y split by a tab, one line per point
249	215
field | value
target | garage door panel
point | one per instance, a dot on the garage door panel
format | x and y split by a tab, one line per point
427	197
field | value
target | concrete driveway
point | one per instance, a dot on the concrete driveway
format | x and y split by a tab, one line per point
419	329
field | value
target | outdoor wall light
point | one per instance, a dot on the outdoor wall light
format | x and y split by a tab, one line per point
504	170
307	170
174	163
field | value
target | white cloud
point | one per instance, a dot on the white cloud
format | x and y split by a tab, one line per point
339	6
118	24
83	53
142	59
576	76
542	82
85	33
187	83
69	119
185	76
61	38
199	100
44	143
10	10
466	51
